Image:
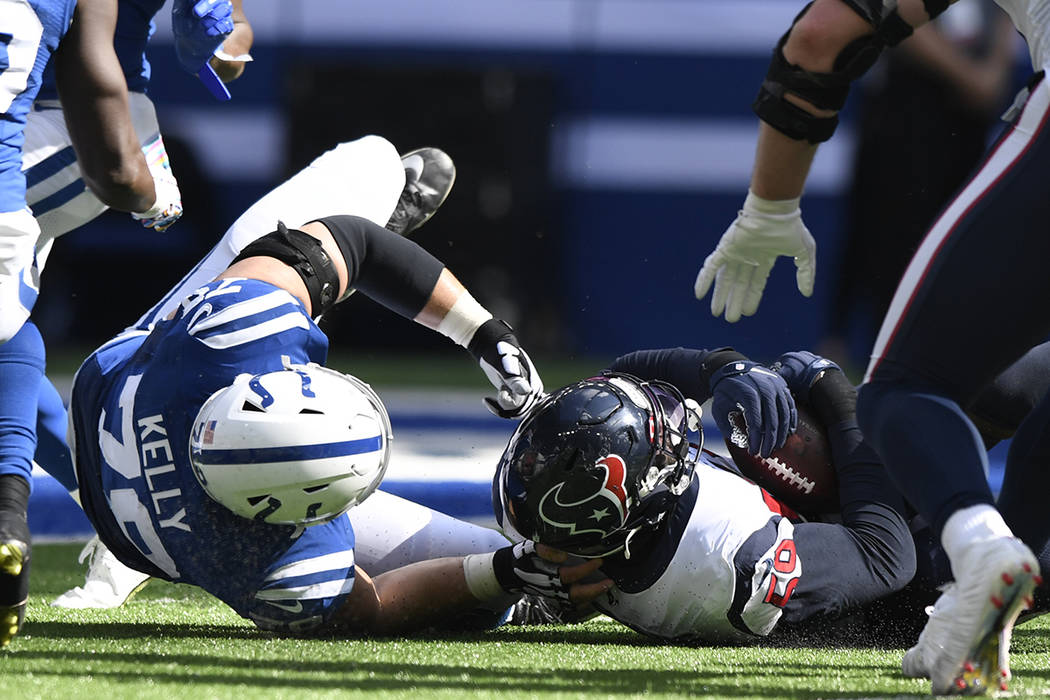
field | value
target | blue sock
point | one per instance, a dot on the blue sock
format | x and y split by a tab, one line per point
52	453
21	370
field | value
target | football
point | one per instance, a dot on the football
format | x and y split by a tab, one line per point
800	474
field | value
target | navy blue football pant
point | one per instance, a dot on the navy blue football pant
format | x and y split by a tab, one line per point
975	297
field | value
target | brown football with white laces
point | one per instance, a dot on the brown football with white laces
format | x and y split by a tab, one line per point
799	474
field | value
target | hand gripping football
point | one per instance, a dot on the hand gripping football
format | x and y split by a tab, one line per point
800	474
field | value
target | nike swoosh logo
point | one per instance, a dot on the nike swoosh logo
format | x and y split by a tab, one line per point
292	606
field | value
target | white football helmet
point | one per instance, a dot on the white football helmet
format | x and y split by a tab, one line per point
299	446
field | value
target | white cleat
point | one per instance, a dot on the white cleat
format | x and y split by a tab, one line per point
918	660
964	648
109	583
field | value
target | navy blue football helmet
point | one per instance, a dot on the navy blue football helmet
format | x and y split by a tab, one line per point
596	461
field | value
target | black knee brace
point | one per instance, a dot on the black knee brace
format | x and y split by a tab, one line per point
304	254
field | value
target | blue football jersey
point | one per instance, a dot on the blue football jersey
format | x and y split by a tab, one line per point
133	406
30	34
134	28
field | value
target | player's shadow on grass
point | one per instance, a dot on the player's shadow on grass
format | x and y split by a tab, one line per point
140	630
270	675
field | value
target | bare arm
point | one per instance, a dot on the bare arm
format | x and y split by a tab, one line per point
781	163
95	101
422	594
236	44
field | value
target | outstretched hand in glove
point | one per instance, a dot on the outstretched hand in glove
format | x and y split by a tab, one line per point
200	28
741	263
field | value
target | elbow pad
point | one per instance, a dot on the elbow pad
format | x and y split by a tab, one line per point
827	91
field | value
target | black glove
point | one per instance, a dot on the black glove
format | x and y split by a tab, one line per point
761	396
520	570
508	367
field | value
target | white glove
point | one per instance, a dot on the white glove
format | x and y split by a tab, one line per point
167	209
740	264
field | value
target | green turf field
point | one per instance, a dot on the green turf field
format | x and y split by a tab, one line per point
174	642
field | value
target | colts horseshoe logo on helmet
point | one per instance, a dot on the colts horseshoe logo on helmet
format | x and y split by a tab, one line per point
603	511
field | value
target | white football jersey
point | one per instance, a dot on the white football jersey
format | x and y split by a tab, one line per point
732	570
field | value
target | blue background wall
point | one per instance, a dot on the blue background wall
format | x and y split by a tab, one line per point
644	141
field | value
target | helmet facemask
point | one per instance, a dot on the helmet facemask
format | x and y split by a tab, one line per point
598	461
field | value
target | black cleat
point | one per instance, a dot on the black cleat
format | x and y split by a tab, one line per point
429	176
14	555
14	579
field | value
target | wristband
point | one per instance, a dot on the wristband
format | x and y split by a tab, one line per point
463	320
753	204
716	360
480	574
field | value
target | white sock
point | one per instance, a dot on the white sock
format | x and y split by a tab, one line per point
972	524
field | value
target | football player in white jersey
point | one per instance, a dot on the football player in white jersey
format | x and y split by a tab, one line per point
699	552
230	381
918	382
605	468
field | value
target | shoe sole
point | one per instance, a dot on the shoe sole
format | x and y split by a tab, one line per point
135	590
10	622
12	558
985	667
73	601
448	190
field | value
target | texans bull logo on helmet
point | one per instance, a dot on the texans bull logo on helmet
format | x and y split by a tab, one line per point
603	511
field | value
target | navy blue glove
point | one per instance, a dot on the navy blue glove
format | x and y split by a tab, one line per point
200	27
761	396
801	370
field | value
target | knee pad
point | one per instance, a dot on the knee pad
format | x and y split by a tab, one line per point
304	254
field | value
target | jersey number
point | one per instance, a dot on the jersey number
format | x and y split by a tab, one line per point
18	48
120	453
782	583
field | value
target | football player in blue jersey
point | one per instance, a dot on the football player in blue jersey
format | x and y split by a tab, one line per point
212	447
918	380
367	178
76	38
604	468
212	40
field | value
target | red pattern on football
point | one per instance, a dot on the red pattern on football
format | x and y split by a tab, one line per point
800	474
